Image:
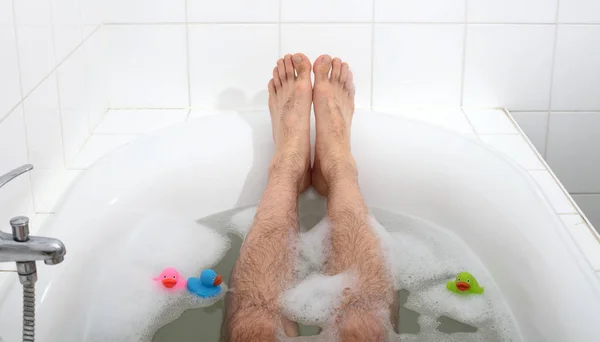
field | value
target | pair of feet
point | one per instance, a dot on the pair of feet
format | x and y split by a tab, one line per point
291	95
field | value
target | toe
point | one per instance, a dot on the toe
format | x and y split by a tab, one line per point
302	65
276	80
271	87
344	73
289	68
321	68
336	70
349	85
281	70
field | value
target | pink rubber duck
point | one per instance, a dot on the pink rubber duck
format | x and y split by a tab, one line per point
170	279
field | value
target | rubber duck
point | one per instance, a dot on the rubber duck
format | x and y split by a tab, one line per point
170	279
465	283
208	285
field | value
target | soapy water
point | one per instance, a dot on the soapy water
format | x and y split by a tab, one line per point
421	256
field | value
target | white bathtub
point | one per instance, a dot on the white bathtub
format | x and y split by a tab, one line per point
218	163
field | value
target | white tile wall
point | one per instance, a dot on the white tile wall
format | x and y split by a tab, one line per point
408	68
420	11
512	11
10	86
515	147
148	66
572	150
490	121
535	125
235	74
508	66
351	42
235	10
327	11
92	15
590	204
579	11
577	68
145	11
95	50
67	27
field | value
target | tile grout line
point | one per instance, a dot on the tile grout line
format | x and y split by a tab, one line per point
551	90
372	55
346	22
464	57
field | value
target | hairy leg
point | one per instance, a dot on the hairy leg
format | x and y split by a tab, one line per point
265	265
354	245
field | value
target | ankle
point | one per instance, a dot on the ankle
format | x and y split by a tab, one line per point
339	168
289	166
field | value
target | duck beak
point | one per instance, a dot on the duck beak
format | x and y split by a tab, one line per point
217	281
169	282
462	286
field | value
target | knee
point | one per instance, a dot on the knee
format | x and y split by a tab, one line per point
362	327
246	326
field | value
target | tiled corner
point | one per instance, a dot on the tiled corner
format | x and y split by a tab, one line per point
407	72
221	77
516	148
585	239
512	11
139	121
508	66
579	11
148	66
557	197
33	19
490	121
144	11
49	186
240	11
10	86
66	27
351	42
96	147
572	150
535	126
43	122
327	11
452	11
576	85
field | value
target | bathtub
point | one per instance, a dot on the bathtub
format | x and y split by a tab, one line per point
218	163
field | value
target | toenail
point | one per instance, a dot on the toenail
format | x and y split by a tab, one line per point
297	58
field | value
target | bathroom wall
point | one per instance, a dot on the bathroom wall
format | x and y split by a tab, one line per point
538	58
52	93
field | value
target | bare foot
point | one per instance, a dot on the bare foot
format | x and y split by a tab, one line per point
333	97
290	98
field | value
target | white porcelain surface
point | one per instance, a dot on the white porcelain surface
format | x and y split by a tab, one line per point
43	122
350	42
417	64
590	204
559	201
73	104
589	244
572	150
35	41
222	77
579	11
49	186
145	11
576	83
233	10
96	147
67	27
148	66
535	126
508	66
510	213
15	197
513	11
139	121
327	11
96	76
10	86
420	11
490	121
449	118
515	148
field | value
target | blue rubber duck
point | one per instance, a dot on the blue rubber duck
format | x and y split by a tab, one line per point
208	285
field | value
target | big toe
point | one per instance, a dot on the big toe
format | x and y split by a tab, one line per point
302	65
322	67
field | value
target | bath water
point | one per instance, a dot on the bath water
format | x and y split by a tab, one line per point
422	258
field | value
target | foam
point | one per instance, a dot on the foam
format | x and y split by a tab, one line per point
127	305
313	245
314	300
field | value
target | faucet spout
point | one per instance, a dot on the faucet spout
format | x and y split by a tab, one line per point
51	251
14	173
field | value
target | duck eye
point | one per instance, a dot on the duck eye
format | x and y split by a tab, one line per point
468	280
458	279
165	277
173	277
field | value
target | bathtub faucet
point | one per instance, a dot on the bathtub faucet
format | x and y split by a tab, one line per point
23	249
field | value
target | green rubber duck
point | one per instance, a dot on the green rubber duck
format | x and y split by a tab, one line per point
465	283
